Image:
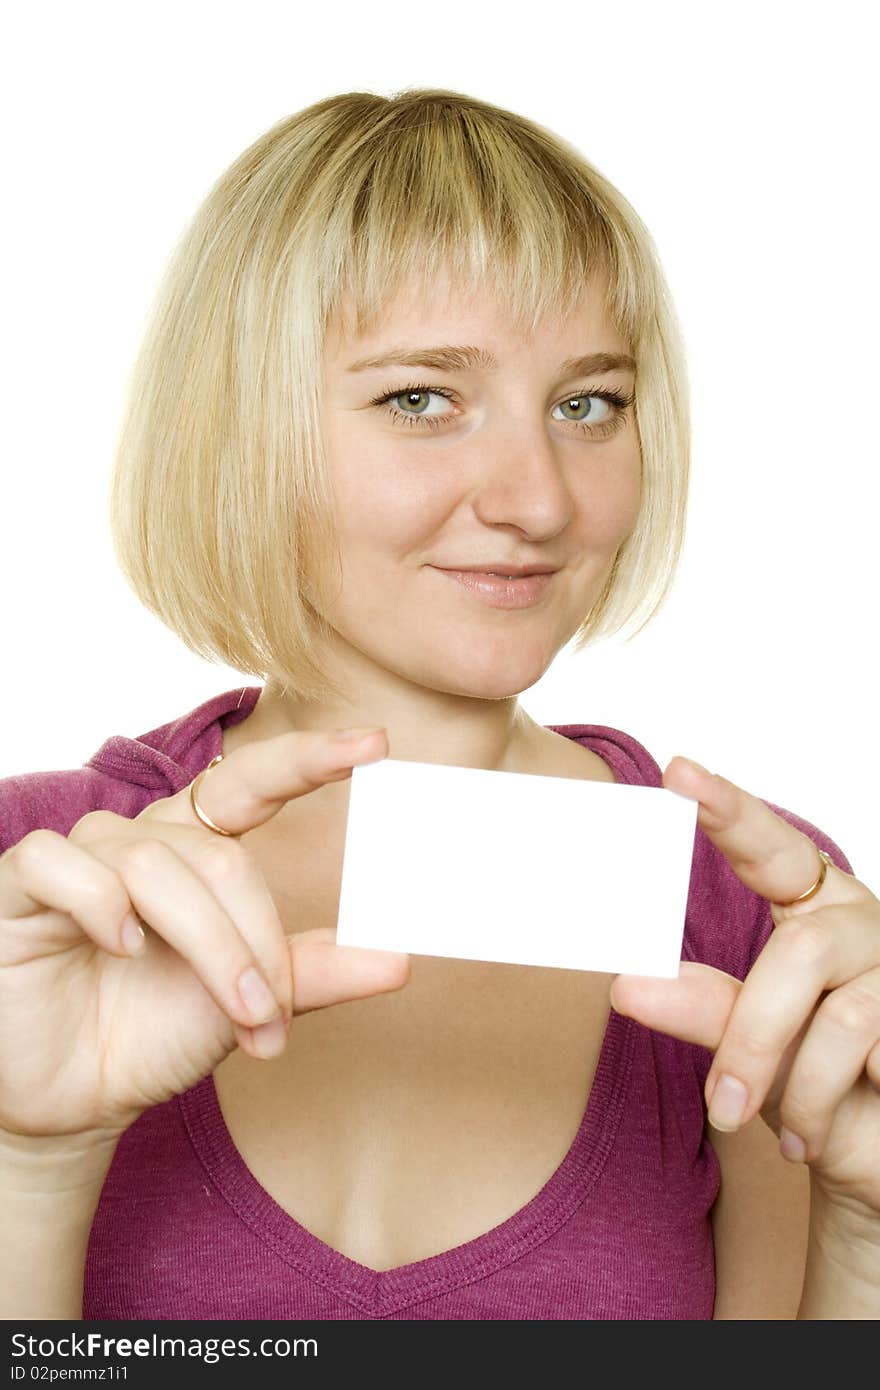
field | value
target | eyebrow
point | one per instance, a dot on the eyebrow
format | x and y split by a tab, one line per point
447	358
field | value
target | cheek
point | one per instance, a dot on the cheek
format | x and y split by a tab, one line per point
608	501
385	503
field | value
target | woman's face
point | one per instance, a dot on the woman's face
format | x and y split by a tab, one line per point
515	463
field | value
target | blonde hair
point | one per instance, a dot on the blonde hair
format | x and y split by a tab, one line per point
221	511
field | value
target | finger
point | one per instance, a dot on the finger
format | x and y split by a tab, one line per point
767	854
842	1035
237	883
694	1007
325	974
178	906
804	957
252	784
266	1042
48	870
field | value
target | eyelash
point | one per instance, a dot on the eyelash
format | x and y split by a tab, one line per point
607	427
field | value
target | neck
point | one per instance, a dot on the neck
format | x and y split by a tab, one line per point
423	725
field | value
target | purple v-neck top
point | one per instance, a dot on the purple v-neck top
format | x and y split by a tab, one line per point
621	1229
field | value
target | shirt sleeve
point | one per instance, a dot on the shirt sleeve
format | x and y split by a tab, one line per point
55	801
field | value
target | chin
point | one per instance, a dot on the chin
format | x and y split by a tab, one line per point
490	686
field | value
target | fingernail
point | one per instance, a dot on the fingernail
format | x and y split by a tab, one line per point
256	995
133	938
792	1146
698	767
729	1100
355	735
270	1039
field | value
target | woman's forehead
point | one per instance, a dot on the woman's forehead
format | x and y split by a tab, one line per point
444	311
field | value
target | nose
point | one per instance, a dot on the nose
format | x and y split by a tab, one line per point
518	479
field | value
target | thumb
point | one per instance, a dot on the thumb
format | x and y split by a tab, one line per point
324	973
695	1007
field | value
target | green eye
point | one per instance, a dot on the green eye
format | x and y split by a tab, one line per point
577	402
412	398
410	395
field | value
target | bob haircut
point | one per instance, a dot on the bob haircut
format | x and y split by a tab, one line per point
221	510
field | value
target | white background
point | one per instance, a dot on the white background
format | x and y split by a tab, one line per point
745	138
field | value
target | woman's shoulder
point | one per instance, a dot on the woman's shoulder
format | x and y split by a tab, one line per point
125	774
625	755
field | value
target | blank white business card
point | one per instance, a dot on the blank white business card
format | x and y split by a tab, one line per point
508	866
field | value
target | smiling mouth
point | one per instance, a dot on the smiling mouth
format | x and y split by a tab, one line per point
499	590
518	572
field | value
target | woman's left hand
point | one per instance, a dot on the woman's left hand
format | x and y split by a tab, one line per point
800	1036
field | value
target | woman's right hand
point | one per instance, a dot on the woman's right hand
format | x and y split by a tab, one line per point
91	1036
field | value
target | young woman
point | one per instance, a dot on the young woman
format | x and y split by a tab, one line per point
408	346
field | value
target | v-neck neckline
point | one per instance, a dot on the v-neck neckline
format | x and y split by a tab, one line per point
381	1293
378	1293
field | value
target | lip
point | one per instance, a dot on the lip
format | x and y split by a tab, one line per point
500	567
501	593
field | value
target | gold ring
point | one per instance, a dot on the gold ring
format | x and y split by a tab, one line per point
802	898
206	820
